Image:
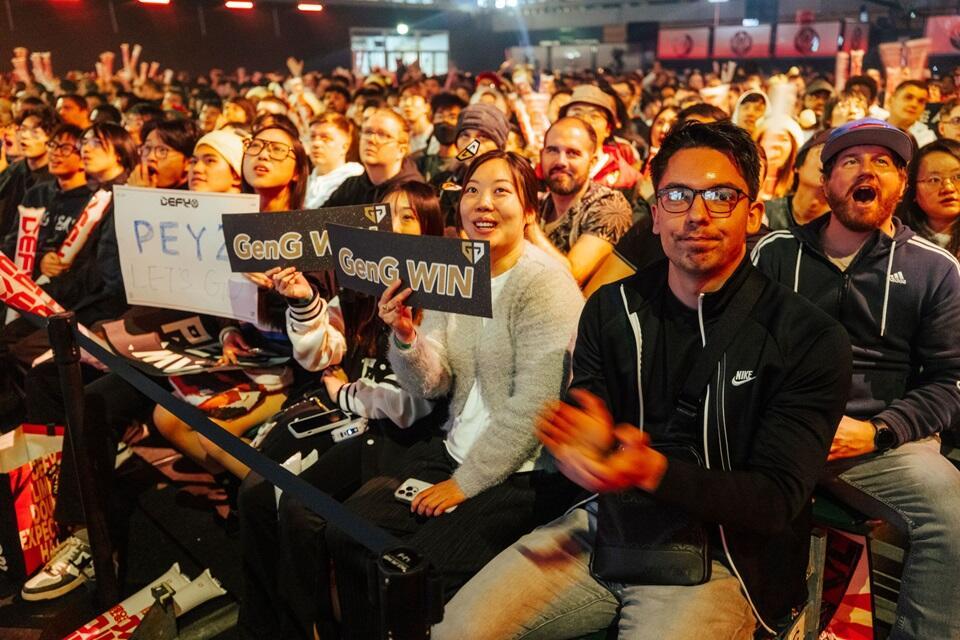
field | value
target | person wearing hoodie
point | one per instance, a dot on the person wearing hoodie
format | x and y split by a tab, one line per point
483	124
749	112
384	144
781	138
898	297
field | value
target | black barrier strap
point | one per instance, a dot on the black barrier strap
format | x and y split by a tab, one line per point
371	537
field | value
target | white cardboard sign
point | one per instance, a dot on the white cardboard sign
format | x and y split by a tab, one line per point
172	252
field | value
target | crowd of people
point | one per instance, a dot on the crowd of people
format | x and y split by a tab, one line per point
710	294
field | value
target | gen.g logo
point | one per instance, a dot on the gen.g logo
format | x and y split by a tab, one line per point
472	251
375	213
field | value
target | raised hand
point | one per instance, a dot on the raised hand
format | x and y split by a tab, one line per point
290	283
397	315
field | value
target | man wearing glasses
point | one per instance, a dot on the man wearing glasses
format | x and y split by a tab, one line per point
384	145
33	129
760	420
165	154
62	199
949	120
898	296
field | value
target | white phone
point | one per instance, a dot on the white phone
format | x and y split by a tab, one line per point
409	489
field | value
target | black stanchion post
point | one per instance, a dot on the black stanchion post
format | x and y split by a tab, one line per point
411	599
62	329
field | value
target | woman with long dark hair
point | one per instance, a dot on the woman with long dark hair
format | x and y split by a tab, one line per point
275	167
931	204
286	593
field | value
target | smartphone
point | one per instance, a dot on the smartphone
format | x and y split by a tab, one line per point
409	489
315	423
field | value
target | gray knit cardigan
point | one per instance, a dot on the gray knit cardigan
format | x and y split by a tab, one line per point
519	357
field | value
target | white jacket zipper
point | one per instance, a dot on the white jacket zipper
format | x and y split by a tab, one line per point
706	457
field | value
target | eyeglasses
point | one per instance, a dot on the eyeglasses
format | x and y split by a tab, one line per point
161	151
935	183
93	142
376	136
30	132
62	149
276	150
720	201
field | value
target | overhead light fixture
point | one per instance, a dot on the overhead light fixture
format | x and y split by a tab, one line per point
310	6
750	22
154	1
403	29
238	4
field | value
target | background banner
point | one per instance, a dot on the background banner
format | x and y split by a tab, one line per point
810	40
681	44
446	274
944	34
742	42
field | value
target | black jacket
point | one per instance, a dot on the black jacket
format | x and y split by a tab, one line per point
62	208
768	418
93	287
900	302
14	183
360	190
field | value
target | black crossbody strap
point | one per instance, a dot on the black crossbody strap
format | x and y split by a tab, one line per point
726	328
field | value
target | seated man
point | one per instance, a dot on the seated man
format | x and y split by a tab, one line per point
762	423
898	297
580	220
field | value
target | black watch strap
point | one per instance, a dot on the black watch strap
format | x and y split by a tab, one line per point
884	437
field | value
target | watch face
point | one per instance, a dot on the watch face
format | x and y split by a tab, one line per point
885	438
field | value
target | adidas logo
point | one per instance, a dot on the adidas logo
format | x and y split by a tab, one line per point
897	278
743	377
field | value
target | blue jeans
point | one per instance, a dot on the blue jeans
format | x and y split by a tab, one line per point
917	490
541	588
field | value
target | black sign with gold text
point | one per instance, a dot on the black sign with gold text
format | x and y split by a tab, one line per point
446	274
257	242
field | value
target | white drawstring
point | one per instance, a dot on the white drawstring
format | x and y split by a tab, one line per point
886	290
796	273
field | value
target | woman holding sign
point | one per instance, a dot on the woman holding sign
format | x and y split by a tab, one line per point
275	166
498	373
285	579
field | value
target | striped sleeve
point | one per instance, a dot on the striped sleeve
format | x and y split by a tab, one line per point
315	329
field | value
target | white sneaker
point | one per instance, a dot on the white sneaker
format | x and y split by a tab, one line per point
124	453
70	566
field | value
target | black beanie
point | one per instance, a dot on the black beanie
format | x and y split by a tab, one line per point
486	118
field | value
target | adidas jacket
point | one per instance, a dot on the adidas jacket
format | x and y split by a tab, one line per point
900	302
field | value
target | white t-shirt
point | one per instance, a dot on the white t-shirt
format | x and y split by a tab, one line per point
319	188
475	416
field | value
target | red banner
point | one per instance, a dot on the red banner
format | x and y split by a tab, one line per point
813	40
742	42
944	31
856	35
681	44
